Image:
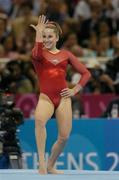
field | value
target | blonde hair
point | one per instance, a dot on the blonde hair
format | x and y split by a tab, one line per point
55	26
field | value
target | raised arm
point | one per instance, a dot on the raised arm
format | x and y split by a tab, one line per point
37	50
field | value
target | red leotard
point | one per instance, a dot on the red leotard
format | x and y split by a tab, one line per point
51	71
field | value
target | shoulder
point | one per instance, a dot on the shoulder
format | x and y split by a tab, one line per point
67	55
65	51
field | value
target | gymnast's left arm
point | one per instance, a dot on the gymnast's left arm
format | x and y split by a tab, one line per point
81	69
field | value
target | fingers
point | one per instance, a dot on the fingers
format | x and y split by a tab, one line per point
47	21
41	22
34	27
66	93
42	19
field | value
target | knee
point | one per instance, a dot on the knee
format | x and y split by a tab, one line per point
40	122
63	139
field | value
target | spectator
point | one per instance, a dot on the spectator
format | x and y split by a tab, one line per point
100	82
93	23
77	107
71	44
108	113
2	51
82	10
3	27
6	6
20	24
57	11
15	80
104	47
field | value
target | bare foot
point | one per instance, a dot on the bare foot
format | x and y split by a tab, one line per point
54	171
42	168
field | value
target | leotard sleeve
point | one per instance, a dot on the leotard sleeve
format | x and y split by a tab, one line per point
80	68
37	51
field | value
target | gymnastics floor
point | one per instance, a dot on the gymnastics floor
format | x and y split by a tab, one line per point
68	175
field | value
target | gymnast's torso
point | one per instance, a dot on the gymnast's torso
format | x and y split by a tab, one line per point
51	70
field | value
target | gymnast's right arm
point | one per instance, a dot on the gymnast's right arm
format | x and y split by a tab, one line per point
37	50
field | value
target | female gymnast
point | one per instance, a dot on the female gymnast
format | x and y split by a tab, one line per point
50	65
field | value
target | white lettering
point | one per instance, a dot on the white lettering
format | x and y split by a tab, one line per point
90	161
24	159
72	162
115	158
35	160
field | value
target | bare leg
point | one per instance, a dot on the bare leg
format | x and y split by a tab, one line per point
43	113
64	120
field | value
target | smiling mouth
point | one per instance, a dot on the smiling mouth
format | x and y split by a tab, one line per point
47	44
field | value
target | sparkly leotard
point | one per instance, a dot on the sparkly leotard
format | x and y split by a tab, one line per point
51	71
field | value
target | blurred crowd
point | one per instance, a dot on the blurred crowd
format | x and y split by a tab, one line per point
90	31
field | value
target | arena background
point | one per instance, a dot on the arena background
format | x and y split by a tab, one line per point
90	31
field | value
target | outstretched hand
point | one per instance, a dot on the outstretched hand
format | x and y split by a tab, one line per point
42	21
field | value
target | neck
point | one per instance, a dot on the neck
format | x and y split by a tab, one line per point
53	49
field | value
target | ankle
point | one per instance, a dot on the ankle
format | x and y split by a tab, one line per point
50	164
42	163
42	158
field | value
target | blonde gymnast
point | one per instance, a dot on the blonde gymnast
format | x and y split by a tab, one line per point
50	64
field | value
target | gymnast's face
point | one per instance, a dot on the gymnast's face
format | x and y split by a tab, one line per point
50	38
